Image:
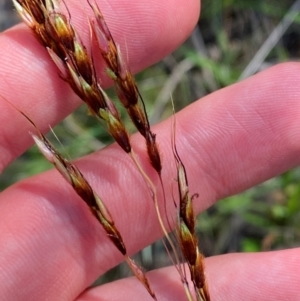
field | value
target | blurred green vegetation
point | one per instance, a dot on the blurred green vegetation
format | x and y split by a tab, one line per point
228	36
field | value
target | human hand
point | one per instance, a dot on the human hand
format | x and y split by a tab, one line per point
52	248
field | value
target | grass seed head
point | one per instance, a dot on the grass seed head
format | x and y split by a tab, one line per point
32	14
55	32
83	62
186	229
125	84
153	152
116	129
139	119
60	30
186	212
188	243
75	178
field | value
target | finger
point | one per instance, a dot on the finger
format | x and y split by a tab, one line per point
233	277
242	135
147	31
228	141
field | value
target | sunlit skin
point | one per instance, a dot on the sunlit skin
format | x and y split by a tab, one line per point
51	246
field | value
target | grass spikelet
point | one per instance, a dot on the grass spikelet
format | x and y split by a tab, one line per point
186	230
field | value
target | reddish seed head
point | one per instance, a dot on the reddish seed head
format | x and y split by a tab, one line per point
36	11
139	119
127	90
109	104
198	274
113	234
116	129
83	61
153	152
188	243
141	276
60	30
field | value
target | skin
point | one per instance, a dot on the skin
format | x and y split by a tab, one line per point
51	246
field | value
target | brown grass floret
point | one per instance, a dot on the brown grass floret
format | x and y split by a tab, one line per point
186	232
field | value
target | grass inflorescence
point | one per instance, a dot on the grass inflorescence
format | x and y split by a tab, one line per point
54	30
